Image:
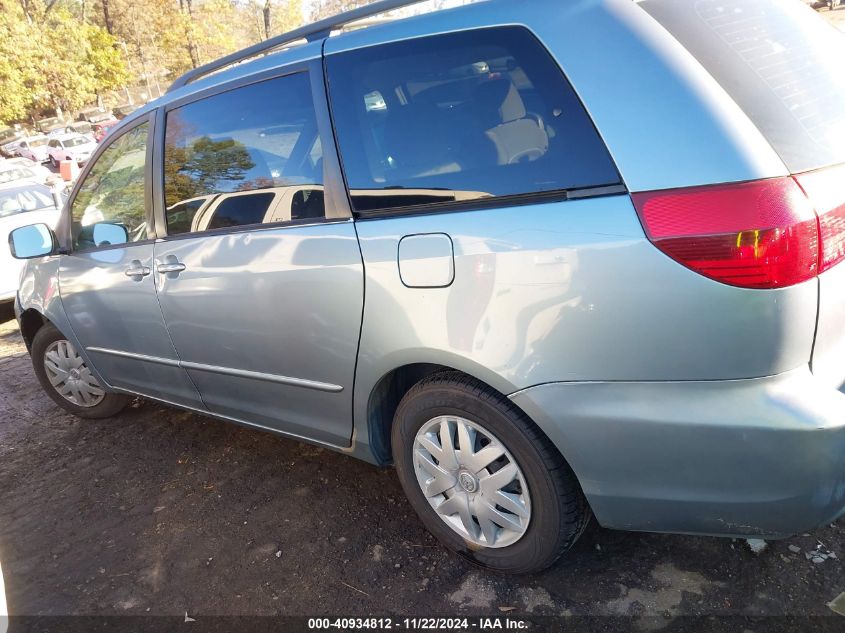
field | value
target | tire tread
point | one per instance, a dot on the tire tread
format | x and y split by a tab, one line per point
577	513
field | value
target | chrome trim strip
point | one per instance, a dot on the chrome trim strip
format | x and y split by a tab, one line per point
142	357
594	192
257	375
226	371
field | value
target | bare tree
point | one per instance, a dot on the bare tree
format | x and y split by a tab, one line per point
107	19
267	9
33	10
187	9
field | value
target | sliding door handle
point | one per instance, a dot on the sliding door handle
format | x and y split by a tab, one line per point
136	270
176	267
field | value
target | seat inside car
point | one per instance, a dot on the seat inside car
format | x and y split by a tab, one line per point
510	132
461	125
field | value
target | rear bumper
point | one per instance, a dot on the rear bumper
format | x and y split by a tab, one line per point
762	457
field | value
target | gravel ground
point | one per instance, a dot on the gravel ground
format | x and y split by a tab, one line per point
164	512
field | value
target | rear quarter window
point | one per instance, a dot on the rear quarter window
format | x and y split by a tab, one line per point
458	117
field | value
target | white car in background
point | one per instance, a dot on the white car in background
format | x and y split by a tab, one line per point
9	139
20	205
34	148
18	175
53	132
32	170
75	147
80	127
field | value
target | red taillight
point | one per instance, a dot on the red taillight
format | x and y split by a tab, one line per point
761	234
826	190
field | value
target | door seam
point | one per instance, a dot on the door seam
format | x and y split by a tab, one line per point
167	329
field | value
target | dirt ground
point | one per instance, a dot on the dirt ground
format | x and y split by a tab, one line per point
836	17
164	512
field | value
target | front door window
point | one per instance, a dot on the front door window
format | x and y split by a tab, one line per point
113	193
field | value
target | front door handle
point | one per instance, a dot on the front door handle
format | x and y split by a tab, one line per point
175	267
136	270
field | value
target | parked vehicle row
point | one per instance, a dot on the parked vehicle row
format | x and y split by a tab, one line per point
101	128
549	260
79	127
95	125
73	147
49	124
34	148
9	138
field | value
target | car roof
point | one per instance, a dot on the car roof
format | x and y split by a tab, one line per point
291	54
24	185
639	85
69	135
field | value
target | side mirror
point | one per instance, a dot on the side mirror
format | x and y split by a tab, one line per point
109	234
102	234
35	240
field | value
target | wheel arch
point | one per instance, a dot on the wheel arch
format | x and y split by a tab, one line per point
384	399
387	393
31	320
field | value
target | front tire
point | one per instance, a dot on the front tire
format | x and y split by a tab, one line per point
483	478
67	380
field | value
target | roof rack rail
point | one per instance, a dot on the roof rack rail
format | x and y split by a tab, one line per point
311	32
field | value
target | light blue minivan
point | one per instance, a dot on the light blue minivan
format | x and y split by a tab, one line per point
549	259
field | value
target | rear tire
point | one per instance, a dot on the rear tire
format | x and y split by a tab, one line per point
536	507
67	380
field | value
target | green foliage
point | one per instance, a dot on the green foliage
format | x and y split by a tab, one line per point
66	53
50	59
19	63
105	59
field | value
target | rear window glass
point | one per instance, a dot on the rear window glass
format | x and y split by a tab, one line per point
76	141
458	117
779	62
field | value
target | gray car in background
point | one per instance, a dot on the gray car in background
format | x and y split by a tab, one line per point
549	259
